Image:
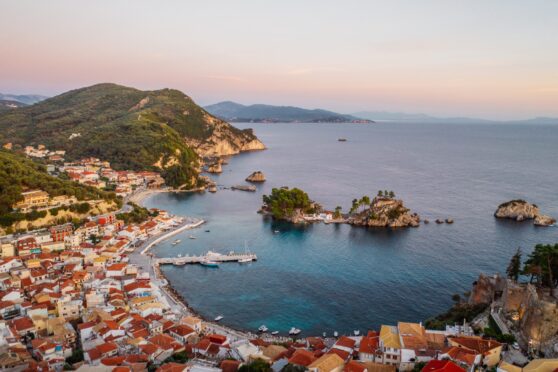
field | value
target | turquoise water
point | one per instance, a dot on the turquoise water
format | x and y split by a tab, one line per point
322	278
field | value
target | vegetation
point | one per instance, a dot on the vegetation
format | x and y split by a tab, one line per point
76	357
542	265
337	213
257	365
492	331
514	267
133	129
283	202
136	215
456	314
18	174
293	368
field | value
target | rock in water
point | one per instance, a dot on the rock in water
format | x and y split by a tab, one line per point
215	168
542	220
257	176
518	210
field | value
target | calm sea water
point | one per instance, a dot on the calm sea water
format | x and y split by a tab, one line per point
322	278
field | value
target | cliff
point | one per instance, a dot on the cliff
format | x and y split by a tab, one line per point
520	210
385	212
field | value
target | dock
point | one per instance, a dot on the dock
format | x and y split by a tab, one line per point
210	256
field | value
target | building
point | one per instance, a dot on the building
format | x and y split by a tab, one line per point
60	232
32	199
390	345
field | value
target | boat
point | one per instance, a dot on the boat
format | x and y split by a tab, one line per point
244	260
294	331
324	334
208	263
274	333
207	230
176	242
356	332
218	318
212	189
191	237
263	328
342	139
335	334
250	188
276	231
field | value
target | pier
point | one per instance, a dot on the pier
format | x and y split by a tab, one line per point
210	256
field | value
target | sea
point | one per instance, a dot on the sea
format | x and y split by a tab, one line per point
325	278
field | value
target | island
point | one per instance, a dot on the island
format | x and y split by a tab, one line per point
520	210
295	206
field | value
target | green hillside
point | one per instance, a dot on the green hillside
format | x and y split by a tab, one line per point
18	174
133	129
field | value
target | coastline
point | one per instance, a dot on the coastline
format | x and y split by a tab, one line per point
143	260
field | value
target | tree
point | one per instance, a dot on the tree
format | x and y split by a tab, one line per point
514	267
542	263
380	193
257	365
391	194
94	239
337	213
354	206
365	200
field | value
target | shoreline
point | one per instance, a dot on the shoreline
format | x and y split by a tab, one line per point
172	294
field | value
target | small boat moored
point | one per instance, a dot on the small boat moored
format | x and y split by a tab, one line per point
191	237
274	333
176	242
208	263
263	328
218	318
294	331
356	332
335	334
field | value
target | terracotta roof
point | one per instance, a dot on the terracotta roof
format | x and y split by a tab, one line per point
463	355
476	343
302	357
327	362
340	353
346	342
442	365
368	345
354	366
182	330
229	365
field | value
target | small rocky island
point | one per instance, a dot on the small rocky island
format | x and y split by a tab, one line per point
520	210
256	176
383	211
294	205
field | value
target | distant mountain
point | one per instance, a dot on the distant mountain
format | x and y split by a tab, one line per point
28	99
6	104
423	118
236	112
161	130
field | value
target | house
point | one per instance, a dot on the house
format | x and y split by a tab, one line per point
368	347
181	333
327	363
7	250
390	345
32	199
60	232
541	365
192	322
489	349
302	357
116	270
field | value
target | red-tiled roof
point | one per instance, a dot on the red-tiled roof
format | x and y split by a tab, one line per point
353	366
302	357
442	366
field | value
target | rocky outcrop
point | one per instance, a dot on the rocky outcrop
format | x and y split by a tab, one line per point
256	176
215	167
385	212
224	140
543	220
520	210
486	288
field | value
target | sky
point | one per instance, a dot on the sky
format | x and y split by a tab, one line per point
494	59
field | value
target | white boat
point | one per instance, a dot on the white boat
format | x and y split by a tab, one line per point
218	318
191	237
244	260
276	231
356	332
335	334
275	333
294	331
263	328
176	242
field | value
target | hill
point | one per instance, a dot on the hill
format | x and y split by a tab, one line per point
236	112
18	174
28	99
162	130
6	104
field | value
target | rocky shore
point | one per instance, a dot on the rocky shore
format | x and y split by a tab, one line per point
385	212
520	210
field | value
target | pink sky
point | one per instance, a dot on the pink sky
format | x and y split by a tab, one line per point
494	59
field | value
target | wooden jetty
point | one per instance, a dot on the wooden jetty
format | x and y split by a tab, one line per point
209	256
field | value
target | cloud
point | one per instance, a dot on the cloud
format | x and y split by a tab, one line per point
225	77
312	70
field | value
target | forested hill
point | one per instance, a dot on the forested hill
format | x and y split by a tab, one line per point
133	129
18	174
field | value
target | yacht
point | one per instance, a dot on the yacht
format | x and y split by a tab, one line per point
176	242
294	331
218	318
263	328
191	237
244	260
274	333
356	332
